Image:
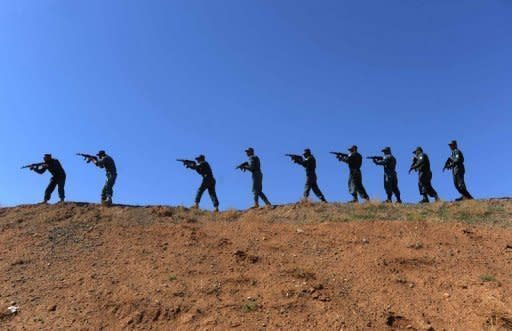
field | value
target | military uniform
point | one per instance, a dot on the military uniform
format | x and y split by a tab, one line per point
254	166
390	176
456	164
309	163
106	162
208	183
58	178
422	165
355	179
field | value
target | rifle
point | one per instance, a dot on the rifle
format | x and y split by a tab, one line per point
414	160
187	163
339	155
448	164
33	165
295	158
242	166
375	158
87	157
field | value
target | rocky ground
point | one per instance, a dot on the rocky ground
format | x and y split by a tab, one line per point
297	267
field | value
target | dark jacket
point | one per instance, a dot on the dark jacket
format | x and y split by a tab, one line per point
457	162
54	167
204	170
254	165
310	164
108	163
422	164
389	164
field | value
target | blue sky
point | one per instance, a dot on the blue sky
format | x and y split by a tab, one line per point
152	81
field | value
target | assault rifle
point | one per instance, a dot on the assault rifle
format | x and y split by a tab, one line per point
33	165
414	160
448	164
295	158
339	155
187	163
242	166
87	157
375	158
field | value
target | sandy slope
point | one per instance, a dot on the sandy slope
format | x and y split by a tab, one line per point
334	267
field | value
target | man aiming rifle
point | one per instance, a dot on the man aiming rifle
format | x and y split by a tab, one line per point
388	161
58	176
355	180
308	161
102	160
203	168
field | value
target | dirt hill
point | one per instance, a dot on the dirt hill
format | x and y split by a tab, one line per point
308	267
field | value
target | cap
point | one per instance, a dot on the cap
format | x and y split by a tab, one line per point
307	151
418	149
47	156
100	153
386	149
249	150
453	143
353	148
200	157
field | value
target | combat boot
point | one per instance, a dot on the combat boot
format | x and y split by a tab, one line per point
424	200
216	209
195	206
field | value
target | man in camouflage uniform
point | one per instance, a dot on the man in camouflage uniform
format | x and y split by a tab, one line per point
456	163
421	164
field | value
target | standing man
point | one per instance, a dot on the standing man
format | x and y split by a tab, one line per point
254	166
308	161
421	164
58	176
456	163
107	162
203	168
388	161
355	180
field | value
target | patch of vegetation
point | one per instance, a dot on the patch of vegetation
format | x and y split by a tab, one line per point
487	278
249	305
172	278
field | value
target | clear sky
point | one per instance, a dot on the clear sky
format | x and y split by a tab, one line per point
152	81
